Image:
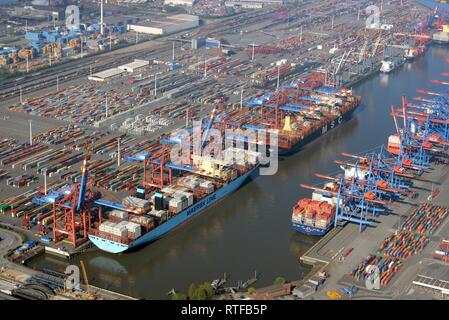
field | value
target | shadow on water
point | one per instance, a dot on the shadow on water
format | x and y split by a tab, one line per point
250	230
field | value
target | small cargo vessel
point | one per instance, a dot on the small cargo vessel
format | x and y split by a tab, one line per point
412	53
387	66
313	217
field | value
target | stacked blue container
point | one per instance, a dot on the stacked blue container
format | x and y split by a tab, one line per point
37	45
33	36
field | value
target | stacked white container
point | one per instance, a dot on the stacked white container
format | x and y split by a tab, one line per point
120	230
136	203
134	230
161	214
107	227
207	186
175	205
119	214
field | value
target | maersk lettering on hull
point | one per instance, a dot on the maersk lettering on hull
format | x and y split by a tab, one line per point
179	219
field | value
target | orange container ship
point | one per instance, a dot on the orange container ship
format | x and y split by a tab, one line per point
313	217
332	107
301	112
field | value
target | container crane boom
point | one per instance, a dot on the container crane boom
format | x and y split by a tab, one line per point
83	184
209	125
335	193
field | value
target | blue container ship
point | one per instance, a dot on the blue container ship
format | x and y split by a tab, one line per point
164	220
310	230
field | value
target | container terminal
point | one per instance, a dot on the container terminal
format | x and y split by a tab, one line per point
85	150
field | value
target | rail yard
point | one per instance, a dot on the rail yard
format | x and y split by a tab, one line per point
86	149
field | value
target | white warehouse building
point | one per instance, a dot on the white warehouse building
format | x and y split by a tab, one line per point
134	66
107	75
188	3
253	4
167	25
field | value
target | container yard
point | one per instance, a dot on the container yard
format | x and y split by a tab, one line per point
92	104
254	66
86	152
372	199
412	239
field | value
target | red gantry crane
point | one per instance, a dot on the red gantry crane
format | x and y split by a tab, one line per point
71	209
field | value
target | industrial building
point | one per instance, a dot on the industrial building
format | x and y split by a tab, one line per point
49	36
188	3
106	75
134	66
253	4
167	25
115	23
37	12
119	20
114	73
271	292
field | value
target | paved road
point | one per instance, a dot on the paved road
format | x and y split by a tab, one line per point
9	240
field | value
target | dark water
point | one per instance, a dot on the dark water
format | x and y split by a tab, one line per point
250	230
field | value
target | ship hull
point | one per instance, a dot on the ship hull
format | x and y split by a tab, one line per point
179	219
440	42
310	231
317	133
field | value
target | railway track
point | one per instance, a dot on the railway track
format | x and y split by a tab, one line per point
73	70
33	292
36	82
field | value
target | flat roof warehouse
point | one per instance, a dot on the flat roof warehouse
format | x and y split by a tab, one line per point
106	74
166	25
120	70
133	66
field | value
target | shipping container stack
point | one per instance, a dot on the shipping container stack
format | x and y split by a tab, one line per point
58	135
12	152
442	251
397	248
313	213
17	206
81	104
3	174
